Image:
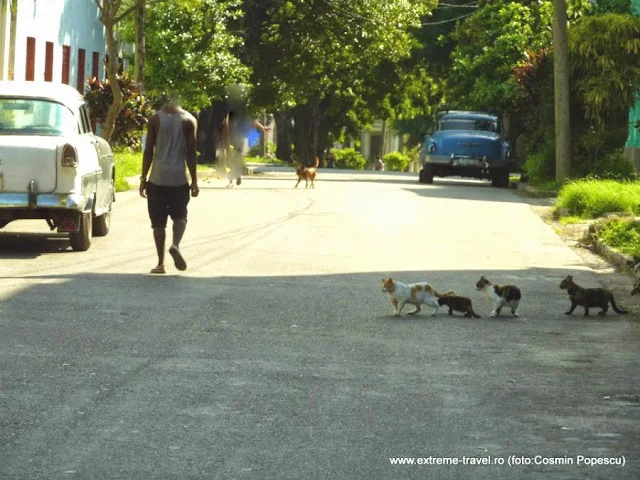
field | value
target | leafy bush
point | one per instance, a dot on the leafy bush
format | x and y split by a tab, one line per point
605	66
592	198
601	155
396	161
133	116
349	158
624	235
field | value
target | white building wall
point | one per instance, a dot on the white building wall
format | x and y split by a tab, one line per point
74	23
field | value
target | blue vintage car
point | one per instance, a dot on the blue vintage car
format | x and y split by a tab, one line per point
466	144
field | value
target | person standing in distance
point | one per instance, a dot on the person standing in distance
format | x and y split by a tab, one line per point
170	149
236	127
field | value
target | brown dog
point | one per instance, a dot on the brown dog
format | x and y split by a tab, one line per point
308	173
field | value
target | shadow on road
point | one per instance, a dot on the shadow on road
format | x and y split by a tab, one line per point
454	188
466	191
292	375
22	245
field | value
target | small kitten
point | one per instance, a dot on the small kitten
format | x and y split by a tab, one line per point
503	295
459	304
636	288
414	293
589	297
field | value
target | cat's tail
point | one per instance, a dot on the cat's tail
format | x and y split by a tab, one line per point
448	294
316	162
473	314
615	307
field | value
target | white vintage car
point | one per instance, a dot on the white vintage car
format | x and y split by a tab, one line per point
52	166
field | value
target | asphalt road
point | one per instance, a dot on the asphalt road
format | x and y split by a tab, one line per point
275	356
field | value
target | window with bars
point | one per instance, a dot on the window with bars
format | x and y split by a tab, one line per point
66	63
30	74
82	54
48	62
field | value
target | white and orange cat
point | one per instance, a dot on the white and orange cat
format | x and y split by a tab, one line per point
415	294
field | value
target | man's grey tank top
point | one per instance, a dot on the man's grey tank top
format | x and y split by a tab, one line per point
169	166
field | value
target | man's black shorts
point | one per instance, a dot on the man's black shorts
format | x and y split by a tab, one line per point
167	201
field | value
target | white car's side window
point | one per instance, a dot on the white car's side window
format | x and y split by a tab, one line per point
84	118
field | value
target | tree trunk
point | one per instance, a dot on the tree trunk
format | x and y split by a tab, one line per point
561	90
323	138
112	77
283	131
300	137
140	43
308	119
384	138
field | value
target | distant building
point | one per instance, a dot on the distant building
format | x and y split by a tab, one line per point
632	149
371	141
51	40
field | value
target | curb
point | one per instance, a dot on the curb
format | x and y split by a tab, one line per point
618	260
534	192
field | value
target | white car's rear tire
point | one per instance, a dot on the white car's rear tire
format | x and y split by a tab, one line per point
81	240
102	224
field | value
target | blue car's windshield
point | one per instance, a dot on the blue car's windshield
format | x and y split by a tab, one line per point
469	124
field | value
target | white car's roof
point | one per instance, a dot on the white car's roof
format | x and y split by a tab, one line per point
59	92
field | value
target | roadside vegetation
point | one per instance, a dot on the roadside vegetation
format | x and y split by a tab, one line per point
621	234
613	204
128	164
593	198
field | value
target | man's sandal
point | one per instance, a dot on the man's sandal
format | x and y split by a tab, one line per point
177	258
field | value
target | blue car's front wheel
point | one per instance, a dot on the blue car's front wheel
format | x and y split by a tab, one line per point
426	174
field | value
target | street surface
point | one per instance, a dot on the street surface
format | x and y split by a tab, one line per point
275	355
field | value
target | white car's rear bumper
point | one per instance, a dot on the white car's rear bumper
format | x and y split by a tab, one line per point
72	201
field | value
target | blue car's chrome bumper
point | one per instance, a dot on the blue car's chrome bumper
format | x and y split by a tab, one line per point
72	201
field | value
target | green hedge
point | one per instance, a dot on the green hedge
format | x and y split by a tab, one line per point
349	158
396	161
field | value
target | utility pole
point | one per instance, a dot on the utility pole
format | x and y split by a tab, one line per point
561	90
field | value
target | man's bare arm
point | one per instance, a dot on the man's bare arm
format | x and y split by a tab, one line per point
257	124
152	134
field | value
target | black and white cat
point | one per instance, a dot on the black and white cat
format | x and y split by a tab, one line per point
502	295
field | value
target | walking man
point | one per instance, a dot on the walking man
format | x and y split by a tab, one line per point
170	149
